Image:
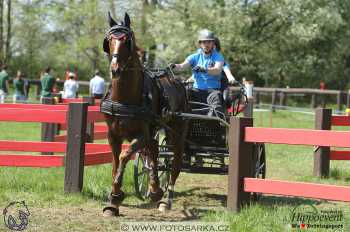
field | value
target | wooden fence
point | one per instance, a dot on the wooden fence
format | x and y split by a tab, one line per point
279	96
241	183
324	120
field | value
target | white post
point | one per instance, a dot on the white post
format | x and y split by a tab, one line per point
249	85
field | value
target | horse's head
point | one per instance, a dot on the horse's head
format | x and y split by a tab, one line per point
119	44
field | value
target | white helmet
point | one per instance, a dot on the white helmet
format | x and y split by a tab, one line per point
205	35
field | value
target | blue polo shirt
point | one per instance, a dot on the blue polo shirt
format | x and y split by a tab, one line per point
204	80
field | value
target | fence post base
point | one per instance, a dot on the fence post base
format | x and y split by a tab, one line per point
75	151
321	155
90	126
48	130
239	163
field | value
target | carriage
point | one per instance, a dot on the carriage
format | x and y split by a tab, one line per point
206	149
140	105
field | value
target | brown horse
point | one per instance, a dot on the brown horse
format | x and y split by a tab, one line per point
134	110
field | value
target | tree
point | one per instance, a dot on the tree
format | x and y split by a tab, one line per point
8	37
1	29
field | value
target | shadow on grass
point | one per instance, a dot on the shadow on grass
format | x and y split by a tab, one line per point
271	201
338	174
86	193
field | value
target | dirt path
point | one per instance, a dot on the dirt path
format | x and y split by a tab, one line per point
195	196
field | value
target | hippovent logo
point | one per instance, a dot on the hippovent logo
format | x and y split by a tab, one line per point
16	216
308	217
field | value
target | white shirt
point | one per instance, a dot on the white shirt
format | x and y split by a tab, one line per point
70	88
97	85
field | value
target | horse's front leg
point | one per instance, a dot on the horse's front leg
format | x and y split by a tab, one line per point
117	195
113	208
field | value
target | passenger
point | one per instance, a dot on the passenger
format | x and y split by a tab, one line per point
227	77
226	67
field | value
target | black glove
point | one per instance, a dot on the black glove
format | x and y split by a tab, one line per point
172	65
199	69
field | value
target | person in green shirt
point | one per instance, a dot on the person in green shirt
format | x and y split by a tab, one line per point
47	83
4	84
18	84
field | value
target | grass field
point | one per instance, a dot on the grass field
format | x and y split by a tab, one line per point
203	195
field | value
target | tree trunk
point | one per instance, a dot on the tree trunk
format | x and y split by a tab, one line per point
1	30
8	38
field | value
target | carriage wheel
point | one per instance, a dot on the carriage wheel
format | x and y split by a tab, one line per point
259	162
141	176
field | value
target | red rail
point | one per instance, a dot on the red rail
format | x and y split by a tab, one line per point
98	158
340	120
33	106
298	136
95	154
72	100
32	146
42	161
33	115
100	135
300	189
94	115
339	155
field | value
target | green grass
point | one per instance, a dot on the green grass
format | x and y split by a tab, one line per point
42	189
286	162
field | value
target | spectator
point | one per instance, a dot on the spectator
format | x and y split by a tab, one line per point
18	84
322	85
47	83
26	88
4	84
97	86
70	88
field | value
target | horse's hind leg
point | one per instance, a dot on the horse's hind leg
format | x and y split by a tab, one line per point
179	142
156	193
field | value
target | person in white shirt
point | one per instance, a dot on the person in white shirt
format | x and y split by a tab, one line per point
97	86
70	87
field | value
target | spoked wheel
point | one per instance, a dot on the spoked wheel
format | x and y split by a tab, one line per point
259	165
141	176
142	170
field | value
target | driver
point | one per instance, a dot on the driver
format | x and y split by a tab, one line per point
207	65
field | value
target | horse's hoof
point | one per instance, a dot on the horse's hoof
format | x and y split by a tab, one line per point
163	207
155	197
110	211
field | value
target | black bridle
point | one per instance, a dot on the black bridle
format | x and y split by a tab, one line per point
120	32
